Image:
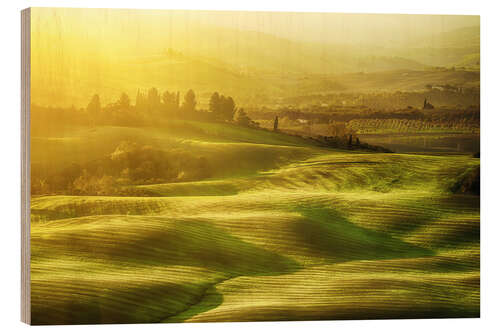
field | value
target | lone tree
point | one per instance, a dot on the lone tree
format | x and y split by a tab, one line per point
140	101
94	106
94	109
214	104
229	108
189	104
124	101
153	99
275	127
242	118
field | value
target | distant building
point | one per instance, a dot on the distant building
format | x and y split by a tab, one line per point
427	105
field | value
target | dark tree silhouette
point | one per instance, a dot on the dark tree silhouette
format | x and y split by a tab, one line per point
242	118
223	108
229	108
214	104
170	102
153	99
94	106
189	104
140	101
124	101
275	127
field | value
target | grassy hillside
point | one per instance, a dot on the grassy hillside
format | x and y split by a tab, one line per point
227	150
283	231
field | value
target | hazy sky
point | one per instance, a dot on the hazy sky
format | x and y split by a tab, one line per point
317	27
77	52
338	27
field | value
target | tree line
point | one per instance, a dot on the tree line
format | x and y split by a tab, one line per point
169	104
469	115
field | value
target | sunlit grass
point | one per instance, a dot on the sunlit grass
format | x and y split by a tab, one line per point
300	233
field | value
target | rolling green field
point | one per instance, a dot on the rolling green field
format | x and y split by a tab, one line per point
283	230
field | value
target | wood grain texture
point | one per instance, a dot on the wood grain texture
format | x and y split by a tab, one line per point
25	165
149	198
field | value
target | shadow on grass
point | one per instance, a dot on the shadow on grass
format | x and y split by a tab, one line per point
143	241
208	301
123	304
334	236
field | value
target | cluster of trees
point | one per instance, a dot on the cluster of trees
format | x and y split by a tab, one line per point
150	107
364	121
348	142
152	102
147	102
223	108
130	163
440	95
470	115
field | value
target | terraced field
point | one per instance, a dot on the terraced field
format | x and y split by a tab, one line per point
312	233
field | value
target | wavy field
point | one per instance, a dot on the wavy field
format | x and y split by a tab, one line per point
283	231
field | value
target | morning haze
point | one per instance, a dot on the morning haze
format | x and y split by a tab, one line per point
193	166
99	47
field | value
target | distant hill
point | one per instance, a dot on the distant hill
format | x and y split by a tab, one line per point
253	67
451	48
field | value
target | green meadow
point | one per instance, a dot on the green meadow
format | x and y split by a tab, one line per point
280	229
